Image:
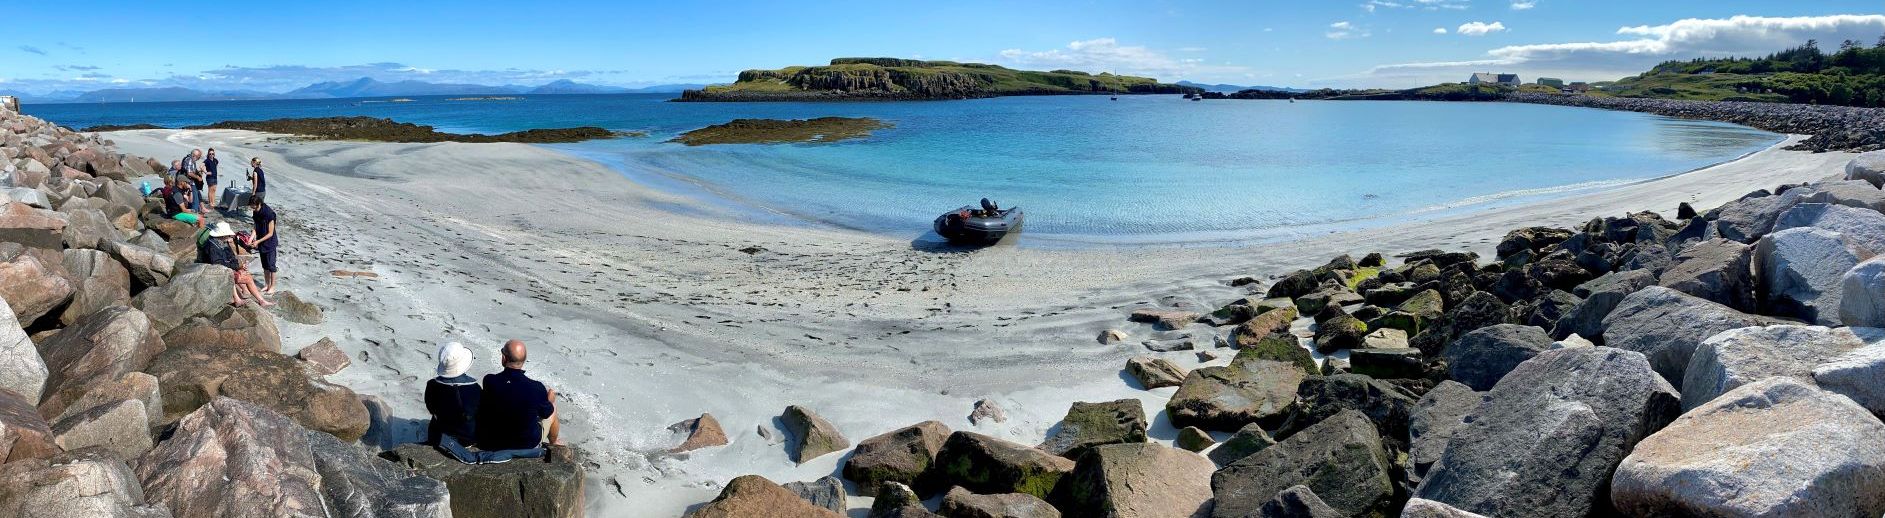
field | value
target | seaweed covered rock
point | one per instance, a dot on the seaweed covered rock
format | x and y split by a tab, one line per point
1341	459
551	486
984	464
1227	398
814	435
1478	310
1277	348
1094	424
1250	439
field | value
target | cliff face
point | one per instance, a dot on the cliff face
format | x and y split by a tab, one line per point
906	79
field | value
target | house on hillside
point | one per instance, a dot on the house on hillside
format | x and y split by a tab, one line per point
1551	82
1496	79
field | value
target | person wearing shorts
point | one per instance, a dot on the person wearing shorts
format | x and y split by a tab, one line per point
209	177
267	239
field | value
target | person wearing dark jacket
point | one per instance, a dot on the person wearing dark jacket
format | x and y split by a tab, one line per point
220	249
453	398
516	412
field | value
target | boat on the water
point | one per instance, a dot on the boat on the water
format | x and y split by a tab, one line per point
979	226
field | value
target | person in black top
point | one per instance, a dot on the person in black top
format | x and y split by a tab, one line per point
515	408
209	168
220	249
267	238
453	397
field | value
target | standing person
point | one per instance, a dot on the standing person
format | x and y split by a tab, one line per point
193	169
267	238
221	249
209	167
452	398
258	179
515	409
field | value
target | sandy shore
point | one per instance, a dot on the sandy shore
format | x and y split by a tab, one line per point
642	310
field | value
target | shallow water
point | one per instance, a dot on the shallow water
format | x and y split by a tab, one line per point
1143	169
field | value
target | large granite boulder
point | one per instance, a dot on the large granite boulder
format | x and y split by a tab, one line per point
1716	270
1154	372
249	327
1387	405
1436	417
1869	168
82	483
149	267
102	282
1341	459
1094	424
1227	398
102	346
1424	508
1297	502
1262	325
960	503
1277	348
895	500
234	459
1481	357
22	371
1850	193
34	228
122	428
699	432
23	433
1341	332
1738	357
1775	447
1250	439
1856	374
1140	480
130	386
192	376
985	464
903	455
826	492
1601	295
1862	294
1747	219
1548	435
1666	325
1801	270
1478	310
32	287
197	290
550	487
1863	228
88	228
813	435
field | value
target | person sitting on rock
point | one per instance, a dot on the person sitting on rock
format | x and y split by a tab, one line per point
221	249
516	412
176	195
452	398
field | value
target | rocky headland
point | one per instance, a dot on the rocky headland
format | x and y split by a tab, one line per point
1718	363
775	131
894	79
129	386
387	130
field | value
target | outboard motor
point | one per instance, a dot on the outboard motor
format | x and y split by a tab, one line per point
989	207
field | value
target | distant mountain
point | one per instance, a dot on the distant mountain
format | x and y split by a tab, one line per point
362	87
369	87
174	93
565	86
667	89
1235	88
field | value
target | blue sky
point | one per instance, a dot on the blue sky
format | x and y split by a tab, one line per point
1307	43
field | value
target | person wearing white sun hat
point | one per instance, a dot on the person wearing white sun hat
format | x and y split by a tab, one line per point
452	397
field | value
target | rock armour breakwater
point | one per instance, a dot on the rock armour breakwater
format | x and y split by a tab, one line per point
1833	128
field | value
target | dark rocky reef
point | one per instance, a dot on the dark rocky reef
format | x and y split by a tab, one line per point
120	127
775	131
388	130
1833	128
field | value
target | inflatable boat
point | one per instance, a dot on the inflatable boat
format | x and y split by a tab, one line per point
985	225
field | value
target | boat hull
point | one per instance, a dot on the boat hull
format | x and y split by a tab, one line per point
978	230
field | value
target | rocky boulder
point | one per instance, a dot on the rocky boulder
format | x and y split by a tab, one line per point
1869	168
1862	294
1155	372
826	492
814	436
248	327
21	369
1747	219
234	459
326	358
88	228
1716	270
33	288
1775	447
197	290
1435	418
1341	332
1738	357
192	376
23	433
1481	357
34	228
293	309
1548	436
1863	228
1263	325
1600	296
86	482
1666	325
960	503
1250	439
148	267
1277	348
1423	508
1851	193
551	486
1227	398
1140	480
699	432
122	428
1164	319
1479	310
985	464
1093	424
1321	397
1297	502
895	500
102	282
102	346
905	455
1341	459
1801	270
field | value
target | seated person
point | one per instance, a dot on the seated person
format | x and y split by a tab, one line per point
221	249
452	398
515	409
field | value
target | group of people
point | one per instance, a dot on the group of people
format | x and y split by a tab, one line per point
192	179
509	417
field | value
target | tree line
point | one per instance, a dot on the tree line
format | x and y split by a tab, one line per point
1854	75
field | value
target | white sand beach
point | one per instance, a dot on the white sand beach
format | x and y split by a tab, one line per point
642	315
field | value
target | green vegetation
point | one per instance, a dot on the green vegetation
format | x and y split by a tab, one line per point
909	79
1852	76
774	131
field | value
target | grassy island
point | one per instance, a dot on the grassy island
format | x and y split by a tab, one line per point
774	131
892	79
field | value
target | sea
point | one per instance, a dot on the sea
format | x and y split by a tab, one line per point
1143	170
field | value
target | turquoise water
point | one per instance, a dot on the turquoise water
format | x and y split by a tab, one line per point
1143	169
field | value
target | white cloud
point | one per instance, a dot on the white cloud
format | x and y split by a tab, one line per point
1439	30
1107	55
1430	5
1480	28
1520	5
1605	60
1345	30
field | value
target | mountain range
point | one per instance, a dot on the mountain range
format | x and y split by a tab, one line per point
363	87
1235	88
